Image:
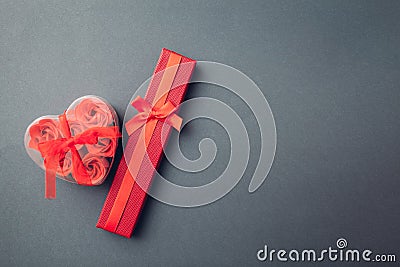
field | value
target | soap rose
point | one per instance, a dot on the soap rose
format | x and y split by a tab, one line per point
66	164
93	113
105	147
43	130
96	167
76	127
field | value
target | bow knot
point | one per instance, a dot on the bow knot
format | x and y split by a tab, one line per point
147	113
155	114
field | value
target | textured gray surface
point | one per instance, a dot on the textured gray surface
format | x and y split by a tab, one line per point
330	71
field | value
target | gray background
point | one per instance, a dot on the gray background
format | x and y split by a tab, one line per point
329	69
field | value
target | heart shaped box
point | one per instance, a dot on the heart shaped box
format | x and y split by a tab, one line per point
83	114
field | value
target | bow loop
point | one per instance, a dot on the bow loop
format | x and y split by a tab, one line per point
147	113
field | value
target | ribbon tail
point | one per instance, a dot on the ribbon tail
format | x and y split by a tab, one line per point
50	180
78	168
175	121
50	184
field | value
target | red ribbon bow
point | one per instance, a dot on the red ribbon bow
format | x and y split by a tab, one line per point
147	112
54	151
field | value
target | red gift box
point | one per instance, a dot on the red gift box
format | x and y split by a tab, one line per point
126	198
